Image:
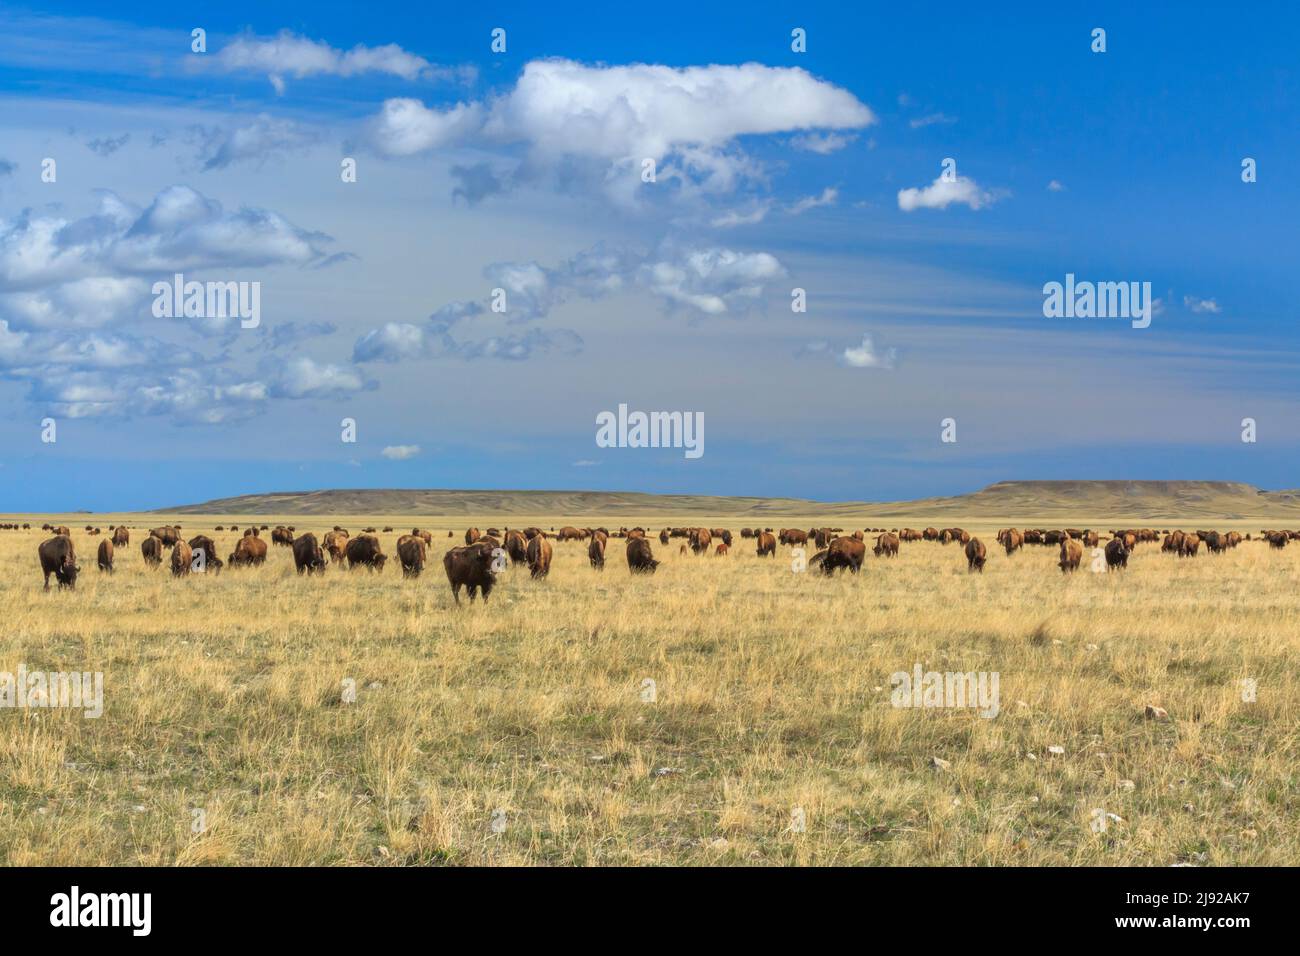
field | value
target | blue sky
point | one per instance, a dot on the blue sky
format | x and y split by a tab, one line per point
521	170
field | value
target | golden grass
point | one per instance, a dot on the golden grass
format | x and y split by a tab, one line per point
224	694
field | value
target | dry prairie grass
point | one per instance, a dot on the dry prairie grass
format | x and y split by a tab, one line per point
224	693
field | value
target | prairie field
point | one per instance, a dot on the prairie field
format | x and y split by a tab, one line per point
523	731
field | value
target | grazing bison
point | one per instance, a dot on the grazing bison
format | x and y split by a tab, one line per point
151	549
516	546
722	549
105	555
640	559
182	555
844	553
472	535
426	535
251	550
59	558
976	555
1276	539
1117	552
1191	544
308	557
63	530
767	543
570	533
121	536
251	532
411	552
1012	540
470	567
793	536
1173	541
365	550
282	536
168	535
202	544
663	536
700	539
886	545
1071	555
539	556
596	550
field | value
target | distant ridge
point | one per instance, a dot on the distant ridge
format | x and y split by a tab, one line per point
1128	500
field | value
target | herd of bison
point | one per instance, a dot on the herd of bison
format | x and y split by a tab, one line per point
475	566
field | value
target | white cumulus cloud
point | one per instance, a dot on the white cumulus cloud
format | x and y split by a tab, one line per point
943	193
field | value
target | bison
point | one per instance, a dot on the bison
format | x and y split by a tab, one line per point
105	556
767	543
365	550
539	556
470	567
516	546
886	545
308	558
121	536
151	550
596	550
411	551
844	553
202	544
1117	552
1071	555
59	558
640	559
182	556
168	535
976	555
251	550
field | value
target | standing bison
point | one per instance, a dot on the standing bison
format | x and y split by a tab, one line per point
640	559
1117	552
182	555
1071	555
766	543
886	545
251	550
411	552
201	544
516	546
151	550
596	550
470	567
121	536
366	550
308	557
976	555
844	553
539	556
59	558
105	555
